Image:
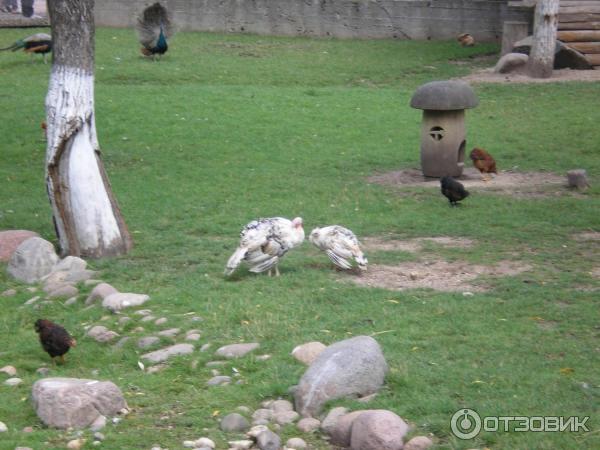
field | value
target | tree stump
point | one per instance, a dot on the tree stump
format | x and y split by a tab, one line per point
577	178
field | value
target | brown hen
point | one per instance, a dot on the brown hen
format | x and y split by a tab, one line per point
54	339
484	162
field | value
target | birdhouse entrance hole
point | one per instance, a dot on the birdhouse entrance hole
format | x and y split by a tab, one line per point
437	133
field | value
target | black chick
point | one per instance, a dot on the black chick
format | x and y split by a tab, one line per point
54	339
453	190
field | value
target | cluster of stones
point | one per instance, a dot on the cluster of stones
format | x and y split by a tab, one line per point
354	367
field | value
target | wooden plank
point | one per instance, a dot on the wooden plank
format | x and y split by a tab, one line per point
579	26
578	35
579	10
578	2
594	60
585	47
562	18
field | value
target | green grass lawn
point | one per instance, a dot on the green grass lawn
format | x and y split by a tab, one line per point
228	128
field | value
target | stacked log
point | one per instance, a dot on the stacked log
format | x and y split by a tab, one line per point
579	28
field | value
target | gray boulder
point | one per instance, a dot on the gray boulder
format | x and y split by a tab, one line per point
353	367
378	430
511	63
267	440
32	260
101	334
418	443
10	240
75	403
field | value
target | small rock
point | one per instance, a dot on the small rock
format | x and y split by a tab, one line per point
64	291
418	443
234	422
32	300
13	382
70	264
467	294
98	436
262	414
236	350
156	368
219	380
23	448
143	312
91	282
263	357
197	319
123	320
116	302
9	293
166	353
3	427
215	363
171	332
27	430
161	321
267	440
100	292
308	425
340	432
205	347
101	334
9	370
138	329
243	409
307	353
285	417
147	341
98	424
205	442
189	444
296	443
75	444
149	318
192	337
378	430
256	430
241	445
281	406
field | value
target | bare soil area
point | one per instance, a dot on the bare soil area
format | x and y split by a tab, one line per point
412	245
437	274
529	184
587	236
562	75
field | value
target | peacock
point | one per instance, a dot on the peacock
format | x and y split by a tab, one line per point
36	43
154	28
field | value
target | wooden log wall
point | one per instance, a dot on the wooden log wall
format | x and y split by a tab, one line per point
579	27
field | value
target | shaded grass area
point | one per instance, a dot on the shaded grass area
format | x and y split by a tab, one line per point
227	128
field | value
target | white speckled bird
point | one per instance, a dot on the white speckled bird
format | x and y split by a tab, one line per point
264	242
340	244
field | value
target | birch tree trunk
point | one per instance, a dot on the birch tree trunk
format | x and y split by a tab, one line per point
541	56
86	214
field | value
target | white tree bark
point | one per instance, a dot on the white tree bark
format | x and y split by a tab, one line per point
86	215
541	56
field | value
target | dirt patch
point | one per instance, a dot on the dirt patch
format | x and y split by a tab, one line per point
595	272
438	275
562	75
471	178
587	236
413	245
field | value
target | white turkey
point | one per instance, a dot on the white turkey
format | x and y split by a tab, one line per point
340	244
264	242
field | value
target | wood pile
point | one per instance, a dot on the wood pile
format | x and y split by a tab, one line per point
579	28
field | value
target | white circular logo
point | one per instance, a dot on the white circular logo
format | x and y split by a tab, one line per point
465	424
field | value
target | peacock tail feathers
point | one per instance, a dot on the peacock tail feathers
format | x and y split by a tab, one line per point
154	27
